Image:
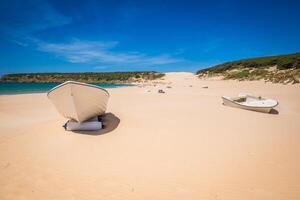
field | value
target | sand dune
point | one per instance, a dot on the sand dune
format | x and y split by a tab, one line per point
183	144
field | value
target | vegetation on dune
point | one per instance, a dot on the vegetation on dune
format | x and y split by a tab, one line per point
246	74
88	77
277	69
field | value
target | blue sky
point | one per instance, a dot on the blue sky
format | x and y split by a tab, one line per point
90	35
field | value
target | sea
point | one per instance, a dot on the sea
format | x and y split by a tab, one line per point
25	88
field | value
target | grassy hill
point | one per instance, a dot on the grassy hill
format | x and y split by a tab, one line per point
277	69
89	77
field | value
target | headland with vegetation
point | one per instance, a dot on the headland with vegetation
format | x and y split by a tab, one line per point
277	69
87	77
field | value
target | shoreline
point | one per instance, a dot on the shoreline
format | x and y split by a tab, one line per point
45	90
159	83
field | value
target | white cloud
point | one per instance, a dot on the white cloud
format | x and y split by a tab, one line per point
39	15
79	51
22	44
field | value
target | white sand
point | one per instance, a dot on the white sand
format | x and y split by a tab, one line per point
183	144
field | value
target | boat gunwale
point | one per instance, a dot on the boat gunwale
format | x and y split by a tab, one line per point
78	83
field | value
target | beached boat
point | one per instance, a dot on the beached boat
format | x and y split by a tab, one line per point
79	101
249	102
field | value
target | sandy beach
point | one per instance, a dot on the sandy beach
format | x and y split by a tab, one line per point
183	144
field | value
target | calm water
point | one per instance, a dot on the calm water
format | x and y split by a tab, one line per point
21	88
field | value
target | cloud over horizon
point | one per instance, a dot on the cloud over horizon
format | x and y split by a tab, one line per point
40	16
95	52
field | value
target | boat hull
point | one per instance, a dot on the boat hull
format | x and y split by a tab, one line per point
79	101
228	102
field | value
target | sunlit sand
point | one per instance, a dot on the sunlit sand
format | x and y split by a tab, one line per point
181	144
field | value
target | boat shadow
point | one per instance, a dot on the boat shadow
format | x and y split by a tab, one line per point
109	122
273	112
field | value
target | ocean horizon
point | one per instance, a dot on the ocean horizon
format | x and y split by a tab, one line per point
27	88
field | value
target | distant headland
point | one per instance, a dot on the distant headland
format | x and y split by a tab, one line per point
276	69
87	77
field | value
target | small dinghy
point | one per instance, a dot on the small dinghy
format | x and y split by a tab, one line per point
249	102
79	102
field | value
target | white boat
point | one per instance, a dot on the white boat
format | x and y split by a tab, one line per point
249	102
79	101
